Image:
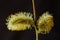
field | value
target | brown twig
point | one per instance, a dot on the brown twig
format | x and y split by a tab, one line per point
34	10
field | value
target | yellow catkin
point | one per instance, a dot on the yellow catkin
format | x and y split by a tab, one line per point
45	23
19	21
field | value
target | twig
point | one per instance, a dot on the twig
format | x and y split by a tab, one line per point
34	11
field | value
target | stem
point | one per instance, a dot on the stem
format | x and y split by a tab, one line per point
36	32
34	11
36	35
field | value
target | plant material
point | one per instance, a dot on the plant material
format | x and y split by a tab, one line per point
23	21
19	21
45	23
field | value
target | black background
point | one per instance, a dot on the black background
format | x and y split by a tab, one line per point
12	6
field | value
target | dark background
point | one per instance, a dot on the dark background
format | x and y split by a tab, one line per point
12	6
